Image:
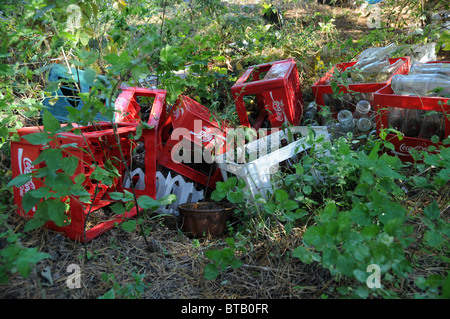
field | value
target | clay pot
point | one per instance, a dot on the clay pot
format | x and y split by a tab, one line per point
204	218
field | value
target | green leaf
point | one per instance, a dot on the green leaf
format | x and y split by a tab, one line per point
432	211
211	272
346	264
281	195
146	202
370	231
129	225
52	157
70	165
307	190
289	205
214	255
217	196
27	258
231	183
433	238
360	215
110	294
51	124
89	76
34	224
116	195
56	212
20	180
236	263
37	138
235	197
118	208
80	178
167	200
303	254
29	201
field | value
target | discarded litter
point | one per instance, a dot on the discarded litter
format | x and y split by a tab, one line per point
265	155
277	91
71	82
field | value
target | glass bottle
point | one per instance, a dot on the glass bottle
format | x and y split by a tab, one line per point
433	124
412	123
345	118
364	124
430	68
387	71
362	108
420	84
310	112
396	115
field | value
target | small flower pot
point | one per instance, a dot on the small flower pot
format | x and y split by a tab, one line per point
204	218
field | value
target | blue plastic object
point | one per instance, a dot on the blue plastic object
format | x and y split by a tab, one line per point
373	1
68	92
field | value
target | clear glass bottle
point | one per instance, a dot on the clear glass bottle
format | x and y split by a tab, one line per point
364	124
362	108
420	84
345	118
387	71
430	68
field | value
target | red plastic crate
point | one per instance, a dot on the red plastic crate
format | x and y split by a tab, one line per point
277	89
208	176
199	121
199	131
322	88
98	140
131	111
384	99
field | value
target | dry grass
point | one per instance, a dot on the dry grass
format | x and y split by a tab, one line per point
173	264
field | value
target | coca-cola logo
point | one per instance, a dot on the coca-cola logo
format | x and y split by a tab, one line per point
178	112
406	148
120	105
25	167
207	135
278	108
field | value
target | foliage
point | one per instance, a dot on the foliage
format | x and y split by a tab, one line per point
352	199
223	258
128	291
